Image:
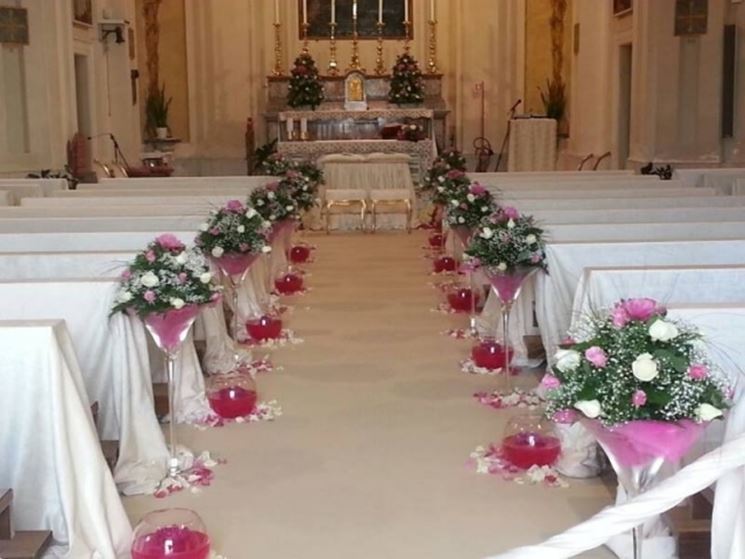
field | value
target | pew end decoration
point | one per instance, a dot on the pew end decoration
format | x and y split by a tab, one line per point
509	248
641	384
166	285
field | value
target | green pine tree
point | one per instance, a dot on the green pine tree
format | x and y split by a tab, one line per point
305	87
406	81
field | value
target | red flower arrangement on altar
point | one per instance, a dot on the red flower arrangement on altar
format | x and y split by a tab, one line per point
410	133
165	276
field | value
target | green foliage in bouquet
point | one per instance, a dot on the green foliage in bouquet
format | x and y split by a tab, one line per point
632	363
469	206
447	186
233	228
406	81
300	189
273	203
305	87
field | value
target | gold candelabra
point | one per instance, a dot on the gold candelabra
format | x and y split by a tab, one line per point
407	43
333	66
432	62
305	37
354	64
277	50
379	68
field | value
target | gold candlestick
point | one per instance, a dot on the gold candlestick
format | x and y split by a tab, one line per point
277	50
355	62
305	37
333	66
432	62
379	68
407	45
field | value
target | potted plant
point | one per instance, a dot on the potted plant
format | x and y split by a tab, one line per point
555	102
156	113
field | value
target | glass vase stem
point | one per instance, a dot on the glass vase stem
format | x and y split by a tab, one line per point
506	311
472	317
173	466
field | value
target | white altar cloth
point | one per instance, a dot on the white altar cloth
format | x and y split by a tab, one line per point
646	231
548	218
532	144
576	202
49	450
566	262
113	358
608	193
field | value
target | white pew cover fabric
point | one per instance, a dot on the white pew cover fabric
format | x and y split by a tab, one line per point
50	454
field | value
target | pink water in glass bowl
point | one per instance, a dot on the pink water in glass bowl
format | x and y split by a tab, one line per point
289	283
445	264
531	449
299	254
172	542
233	401
265	328
461	300
490	355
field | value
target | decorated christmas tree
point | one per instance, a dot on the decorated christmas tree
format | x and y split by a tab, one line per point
305	87
406	81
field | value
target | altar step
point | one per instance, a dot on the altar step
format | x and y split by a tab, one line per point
22	544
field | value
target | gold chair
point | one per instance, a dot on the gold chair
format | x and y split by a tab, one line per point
391	197
345	197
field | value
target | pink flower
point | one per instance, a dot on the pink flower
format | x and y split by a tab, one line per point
464	206
697	371
550	382
243	247
272	186
565	417
215	231
454	174
292	174
235	206
182	277
510	212
170	242
620	316
641	309
596	356
477	189
150	256
536	257
639	398
126	274
568	341
150	296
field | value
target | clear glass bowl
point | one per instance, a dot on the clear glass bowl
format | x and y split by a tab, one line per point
232	395
171	534
530	439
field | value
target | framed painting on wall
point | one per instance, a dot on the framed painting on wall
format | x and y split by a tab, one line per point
13	26
622	7
691	17
82	11
319	17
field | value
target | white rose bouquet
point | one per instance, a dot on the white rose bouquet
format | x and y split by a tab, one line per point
274	203
234	228
632	363
165	276
468	206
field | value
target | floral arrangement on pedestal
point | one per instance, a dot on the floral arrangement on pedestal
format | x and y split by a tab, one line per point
165	276
300	189
234	229
406	81
633	363
447	185
273	203
448	161
311	171
469	206
453	159
276	164
506	241
305	87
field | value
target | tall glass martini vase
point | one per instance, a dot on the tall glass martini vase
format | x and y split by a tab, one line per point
234	266
464	236
637	450
169	330
508	285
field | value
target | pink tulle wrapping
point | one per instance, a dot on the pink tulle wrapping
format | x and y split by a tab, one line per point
638	442
170	328
235	263
508	284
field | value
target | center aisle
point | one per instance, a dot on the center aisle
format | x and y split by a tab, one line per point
369	458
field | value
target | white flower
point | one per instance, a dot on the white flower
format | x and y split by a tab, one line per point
502	267
289	208
441	179
204	226
217	252
176	303
461	220
181	258
266	249
124	297
531	239
511	224
486	233
591	408
645	368
149	279
707	412
251	213
205	277
270	195
440	189
273	217
663	331
259	202
241	229
471	198
454	203
567	360
484	209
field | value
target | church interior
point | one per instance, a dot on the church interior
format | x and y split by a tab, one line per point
372	279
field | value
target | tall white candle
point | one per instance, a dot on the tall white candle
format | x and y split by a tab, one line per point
305	11
333	11
354	9
432	10
406	10
380	11
276	11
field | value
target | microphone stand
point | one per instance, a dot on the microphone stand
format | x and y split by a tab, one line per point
118	153
512	111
